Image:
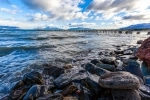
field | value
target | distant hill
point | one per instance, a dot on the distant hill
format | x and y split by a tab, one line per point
79	28
138	26
9	28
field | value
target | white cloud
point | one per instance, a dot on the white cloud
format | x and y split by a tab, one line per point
59	9
110	8
14	10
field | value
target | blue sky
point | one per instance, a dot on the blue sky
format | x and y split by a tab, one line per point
98	14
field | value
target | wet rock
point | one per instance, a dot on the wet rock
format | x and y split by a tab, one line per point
15	94
95	61
145	69
128	52
68	66
53	71
119	64
144	51
18	85
108	60
119	80
106	66
32	78
70	98
124	94
134	68
36	91
139	41
63	80
118	52
51	97
69	89
93	86
95	70
144	92
147	79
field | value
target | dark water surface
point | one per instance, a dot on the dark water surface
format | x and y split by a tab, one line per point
19	49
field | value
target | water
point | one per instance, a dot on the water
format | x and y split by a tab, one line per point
19	49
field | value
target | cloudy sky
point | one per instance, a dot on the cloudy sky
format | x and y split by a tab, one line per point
98	14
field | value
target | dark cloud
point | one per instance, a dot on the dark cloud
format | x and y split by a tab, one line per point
135	17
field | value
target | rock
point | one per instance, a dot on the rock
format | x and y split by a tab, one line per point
124	94
119	64
108	60
68	66
106	66
49	82
144	52
18	85
144	92
119	80
70	98
148	33
147	79
95	70
93	86
36	91
69	90
79	77
118	52
17	93
95	61
63	80
53	71
139	41
32	78
134	68
145	69
128	52
51	97
138	33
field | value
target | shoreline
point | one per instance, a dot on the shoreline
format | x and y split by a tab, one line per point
86	79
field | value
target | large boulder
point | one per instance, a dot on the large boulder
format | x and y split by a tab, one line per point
144	51
119	80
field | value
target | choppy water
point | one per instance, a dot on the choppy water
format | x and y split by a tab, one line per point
19	49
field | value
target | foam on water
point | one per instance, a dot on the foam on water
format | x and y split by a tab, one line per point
20	49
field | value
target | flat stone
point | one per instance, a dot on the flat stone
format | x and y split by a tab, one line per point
95	70
106	66
119	80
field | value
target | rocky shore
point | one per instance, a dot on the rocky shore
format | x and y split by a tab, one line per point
122	74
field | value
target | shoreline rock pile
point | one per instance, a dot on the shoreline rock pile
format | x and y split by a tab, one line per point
116	75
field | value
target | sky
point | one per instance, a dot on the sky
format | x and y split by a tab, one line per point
65	14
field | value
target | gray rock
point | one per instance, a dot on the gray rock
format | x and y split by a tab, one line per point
95	70
147	79
106	66
51	97
95	61
108	60
36	91
144	92
128	52
134	68
125	94
32	78
139	41
63	80
53	71
119	80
